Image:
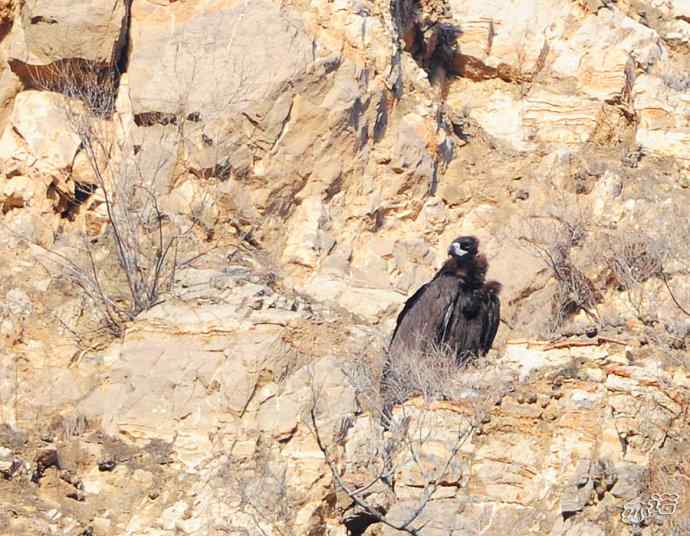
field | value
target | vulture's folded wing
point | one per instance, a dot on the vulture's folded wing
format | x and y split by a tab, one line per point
490	312
420	324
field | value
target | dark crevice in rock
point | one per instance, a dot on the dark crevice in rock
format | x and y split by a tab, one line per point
358	523
148	119
428	35
82	192
356	112
568	515
381	122
194	117
67	204
360	127
45	460
284	123
334	188
445	151
10	203
395	78
45	20
474	69
221	171
5	27
254	122
121	49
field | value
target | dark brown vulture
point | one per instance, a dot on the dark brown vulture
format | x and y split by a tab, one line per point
457	310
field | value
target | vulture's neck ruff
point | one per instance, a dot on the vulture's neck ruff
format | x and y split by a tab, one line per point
469	269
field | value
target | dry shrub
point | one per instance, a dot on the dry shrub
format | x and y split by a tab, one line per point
133	263
575	291
432	375
647	264
415	437
630	261
255	495
652	271
552	238
95	85
633	259
73	425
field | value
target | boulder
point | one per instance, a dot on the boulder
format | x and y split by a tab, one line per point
212	60
48	31
664	111
41	121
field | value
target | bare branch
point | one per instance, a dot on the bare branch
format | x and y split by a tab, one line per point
673	297
143	240
406	438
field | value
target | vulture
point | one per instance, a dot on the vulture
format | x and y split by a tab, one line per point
457	310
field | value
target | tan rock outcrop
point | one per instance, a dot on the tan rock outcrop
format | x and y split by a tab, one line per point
566	68
324	154
47	31
40	121
168	68
664	112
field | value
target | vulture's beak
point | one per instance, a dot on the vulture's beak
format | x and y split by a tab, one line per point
456	250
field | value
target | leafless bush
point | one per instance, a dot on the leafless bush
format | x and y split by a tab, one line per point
642	265
631	259
418	438
263	495
146	242
676	235
73	425
93	84
250	495
575	291
552	238
433	375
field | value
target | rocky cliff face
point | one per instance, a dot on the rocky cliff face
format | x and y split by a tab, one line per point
320	157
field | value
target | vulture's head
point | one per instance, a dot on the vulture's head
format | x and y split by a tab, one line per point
464	247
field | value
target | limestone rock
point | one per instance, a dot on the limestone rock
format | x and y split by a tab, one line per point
631	481
10	86
166	70
369	303
328	152
16	193
559	119
18	303
311	240
40	120
569	80
664	125
47	31
605	193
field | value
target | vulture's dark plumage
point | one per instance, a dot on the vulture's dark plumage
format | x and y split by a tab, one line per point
457	310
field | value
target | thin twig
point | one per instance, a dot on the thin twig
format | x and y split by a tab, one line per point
432	482
673	297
